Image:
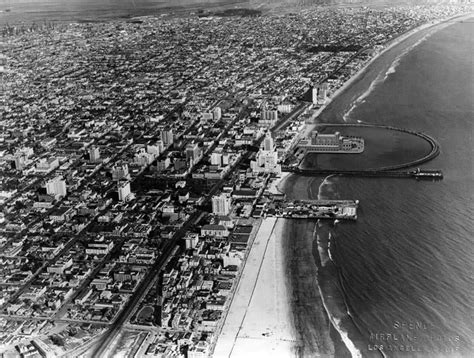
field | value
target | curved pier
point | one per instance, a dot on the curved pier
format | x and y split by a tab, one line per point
435	148
392	171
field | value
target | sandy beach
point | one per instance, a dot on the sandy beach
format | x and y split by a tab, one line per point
307	255
257	322
436	25
286	279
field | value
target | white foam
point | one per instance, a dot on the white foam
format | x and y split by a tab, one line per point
363	96
324	183
393	67
329	247
355	353
391	70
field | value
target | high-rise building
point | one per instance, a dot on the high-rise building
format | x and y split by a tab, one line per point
153	149
314	94
94	154
123	189
191	240
267	158
284	108
160	145
193	152
216	159
167	136
221	204
322	93
161	165
47	165
19	162
56	187
269	115
225	158
143	158
268	142
217	113
120	172
3	62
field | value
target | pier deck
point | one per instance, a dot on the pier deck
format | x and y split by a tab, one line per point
317	209
416	174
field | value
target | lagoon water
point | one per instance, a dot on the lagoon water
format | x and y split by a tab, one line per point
404	269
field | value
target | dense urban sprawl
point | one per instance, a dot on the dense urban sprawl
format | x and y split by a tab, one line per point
135	162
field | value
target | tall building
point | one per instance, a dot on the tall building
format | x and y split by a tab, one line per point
153	149
120	172
193	152
285	108
3	62
269	115
191	240
143	158
161	165
217	113
19	162
314	94
94	154
216	159
322	93
123	189
268	142
47	165
56	187
267	158
167	136
160	145
221	204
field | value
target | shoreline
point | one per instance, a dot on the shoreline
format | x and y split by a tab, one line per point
388	46
338	320
256	322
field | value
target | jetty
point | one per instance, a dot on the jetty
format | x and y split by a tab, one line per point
316	209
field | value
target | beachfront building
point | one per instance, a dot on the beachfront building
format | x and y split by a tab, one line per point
329	143
266	160
221	204
322	93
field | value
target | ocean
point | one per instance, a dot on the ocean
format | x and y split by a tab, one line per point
398	282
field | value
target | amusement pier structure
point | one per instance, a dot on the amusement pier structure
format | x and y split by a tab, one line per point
336	143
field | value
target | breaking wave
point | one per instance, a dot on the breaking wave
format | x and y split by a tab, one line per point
382	76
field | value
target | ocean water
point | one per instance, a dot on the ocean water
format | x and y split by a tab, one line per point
405	268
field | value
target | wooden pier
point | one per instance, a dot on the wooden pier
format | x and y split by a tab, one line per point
317	209
415	174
